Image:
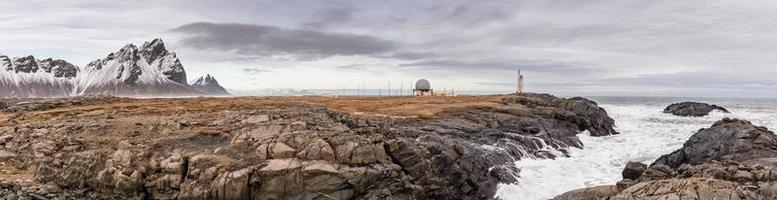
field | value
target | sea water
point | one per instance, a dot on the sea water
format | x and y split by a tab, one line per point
646	134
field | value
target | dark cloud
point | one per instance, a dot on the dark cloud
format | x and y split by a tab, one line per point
505	65
259	40
411	55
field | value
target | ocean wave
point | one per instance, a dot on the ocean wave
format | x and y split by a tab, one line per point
646	134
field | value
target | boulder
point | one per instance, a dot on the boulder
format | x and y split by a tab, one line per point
282	150
692	109
633	170
730	139
3	105
593	118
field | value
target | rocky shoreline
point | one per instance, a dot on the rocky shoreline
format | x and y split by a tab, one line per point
283	148
733	159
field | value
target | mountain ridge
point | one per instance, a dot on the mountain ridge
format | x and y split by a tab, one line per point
148	70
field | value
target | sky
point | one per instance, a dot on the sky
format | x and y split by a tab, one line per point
706	48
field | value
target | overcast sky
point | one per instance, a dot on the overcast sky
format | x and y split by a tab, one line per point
616	47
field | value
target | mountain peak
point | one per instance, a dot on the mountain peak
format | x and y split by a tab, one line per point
25	64
153	50
5	63
210	85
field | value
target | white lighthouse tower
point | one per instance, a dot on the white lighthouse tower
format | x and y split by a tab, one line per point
519	89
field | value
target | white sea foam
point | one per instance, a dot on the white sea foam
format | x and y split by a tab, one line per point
646	134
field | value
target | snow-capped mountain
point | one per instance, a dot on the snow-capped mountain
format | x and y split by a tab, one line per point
209	85
30	77
150	70
147	71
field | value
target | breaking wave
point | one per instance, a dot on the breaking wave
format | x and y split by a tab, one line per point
646	134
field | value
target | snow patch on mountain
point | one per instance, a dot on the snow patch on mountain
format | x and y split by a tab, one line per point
30	77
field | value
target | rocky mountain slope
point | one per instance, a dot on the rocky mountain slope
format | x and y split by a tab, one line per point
209	85
31	77
149	70
733	159
283	147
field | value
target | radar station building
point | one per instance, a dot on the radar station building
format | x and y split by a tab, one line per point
423	88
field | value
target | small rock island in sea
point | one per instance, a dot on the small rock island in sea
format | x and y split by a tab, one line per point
692	109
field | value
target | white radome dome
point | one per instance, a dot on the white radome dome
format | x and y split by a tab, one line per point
423	84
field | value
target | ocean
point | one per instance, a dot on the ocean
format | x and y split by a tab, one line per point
646	134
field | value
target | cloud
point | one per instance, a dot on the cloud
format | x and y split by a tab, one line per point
353	67
330	17
504	65
411	55
266	41
255	71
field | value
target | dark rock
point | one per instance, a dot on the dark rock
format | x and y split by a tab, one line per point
5	63
60	68
155	52
3	105
593	118
625	183
633	170
692	109
25	64
587	114
730	139
657	172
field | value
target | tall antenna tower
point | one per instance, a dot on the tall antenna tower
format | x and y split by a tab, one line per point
519	89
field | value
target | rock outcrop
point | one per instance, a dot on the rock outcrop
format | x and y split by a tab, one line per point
727	139
209	85
733	159
279	148
692	109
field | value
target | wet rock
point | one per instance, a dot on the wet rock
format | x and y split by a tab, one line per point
593	117
692	109
730	139
633	170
